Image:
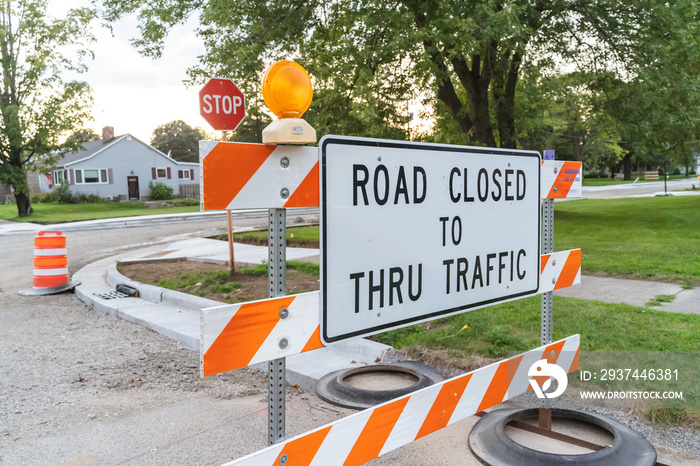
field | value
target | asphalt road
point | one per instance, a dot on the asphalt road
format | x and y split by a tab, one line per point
640	189
80	387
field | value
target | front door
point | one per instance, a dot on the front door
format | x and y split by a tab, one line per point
133	182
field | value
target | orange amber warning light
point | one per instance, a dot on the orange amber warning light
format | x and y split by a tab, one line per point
286	89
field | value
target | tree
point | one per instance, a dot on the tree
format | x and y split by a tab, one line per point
180	139
371	58
37	106
559	112
464	60
83	135
656	109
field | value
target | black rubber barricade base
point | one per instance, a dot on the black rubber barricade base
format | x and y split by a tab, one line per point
52	290
333	388
491	445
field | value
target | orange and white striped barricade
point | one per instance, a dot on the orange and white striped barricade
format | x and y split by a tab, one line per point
236	175
248	176
50	265
233	336
561	179
366	435
560	270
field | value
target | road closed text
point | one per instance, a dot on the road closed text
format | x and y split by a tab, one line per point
382	185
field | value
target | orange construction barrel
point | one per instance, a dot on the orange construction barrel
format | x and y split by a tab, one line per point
50	264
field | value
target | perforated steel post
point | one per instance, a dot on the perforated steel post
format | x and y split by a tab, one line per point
277	278
547	248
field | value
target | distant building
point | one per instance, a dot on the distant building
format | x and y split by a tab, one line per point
120	167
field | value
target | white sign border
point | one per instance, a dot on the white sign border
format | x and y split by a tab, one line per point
358	141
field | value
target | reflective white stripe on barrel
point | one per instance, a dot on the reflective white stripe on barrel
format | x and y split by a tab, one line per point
49	272
51	252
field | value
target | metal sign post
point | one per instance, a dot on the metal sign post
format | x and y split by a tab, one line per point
547	248
545	412
276	369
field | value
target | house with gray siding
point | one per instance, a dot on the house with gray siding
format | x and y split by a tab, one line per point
120	167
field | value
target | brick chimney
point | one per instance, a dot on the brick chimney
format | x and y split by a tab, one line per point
107	133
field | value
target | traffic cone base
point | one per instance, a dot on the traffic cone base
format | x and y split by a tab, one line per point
51	290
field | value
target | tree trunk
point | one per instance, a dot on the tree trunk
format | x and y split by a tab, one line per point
24	204
627	166
477	87
481	117
579	141
504	99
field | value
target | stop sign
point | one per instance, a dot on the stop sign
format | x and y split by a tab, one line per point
222	104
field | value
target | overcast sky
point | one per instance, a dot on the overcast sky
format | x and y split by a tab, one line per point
136	94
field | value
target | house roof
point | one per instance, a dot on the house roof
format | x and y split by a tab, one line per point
92	148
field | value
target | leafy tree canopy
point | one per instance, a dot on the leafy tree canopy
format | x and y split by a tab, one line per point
477	68
83	135
37	106
179	139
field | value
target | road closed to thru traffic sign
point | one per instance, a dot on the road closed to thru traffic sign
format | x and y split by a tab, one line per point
412	231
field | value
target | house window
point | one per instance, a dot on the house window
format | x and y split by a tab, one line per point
91	176
59	176
183	174
161	173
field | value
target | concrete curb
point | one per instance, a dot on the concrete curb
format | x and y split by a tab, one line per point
176	315
174	322
160	295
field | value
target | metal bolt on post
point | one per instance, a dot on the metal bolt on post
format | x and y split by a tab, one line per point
276	381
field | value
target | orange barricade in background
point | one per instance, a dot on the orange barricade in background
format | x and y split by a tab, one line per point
50	264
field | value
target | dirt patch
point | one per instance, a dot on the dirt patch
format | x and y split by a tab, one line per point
214	281
449	363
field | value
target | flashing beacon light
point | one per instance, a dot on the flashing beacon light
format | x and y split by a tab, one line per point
286	89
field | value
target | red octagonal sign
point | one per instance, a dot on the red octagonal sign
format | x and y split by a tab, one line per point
222	104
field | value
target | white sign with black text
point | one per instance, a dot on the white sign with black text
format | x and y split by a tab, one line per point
413	231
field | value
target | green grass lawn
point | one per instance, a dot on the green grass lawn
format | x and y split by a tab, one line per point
60	213
650	238
498	330
306	236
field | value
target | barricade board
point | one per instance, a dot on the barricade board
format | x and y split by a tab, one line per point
239	175
239	335
375	431
244	176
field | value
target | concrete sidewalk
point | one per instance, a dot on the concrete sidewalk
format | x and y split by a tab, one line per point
217	252
635	293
